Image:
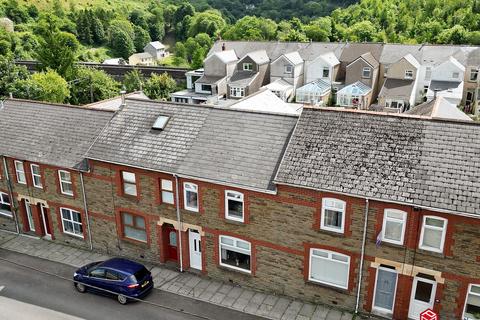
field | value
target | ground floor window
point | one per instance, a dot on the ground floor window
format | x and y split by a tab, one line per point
237	92
5	205
329	268
72	222
472	304
134	227
235	253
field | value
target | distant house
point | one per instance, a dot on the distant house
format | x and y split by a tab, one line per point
316	92
143	59
249	75
289	68
447	81
115	61
324	67
156	50
362	70
7	24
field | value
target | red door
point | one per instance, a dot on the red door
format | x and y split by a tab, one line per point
171	243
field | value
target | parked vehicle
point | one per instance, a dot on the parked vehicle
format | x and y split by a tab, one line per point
119	277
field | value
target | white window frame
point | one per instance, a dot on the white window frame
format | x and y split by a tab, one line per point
403	220
236	249
35	175
367	70
61	181
233	198
71	221
288	69
163	189
472	72
322	216
2	201
444	232
129	182
466	298
329	258
190	187
408	74
327	69
20	173
237	92
247	66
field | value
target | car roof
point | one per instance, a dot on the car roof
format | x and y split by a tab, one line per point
123	265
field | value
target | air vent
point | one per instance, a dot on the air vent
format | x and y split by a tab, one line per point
160	123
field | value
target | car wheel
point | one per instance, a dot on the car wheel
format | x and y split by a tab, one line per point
122	299
80	287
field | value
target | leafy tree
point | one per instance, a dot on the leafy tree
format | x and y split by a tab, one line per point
45	86
92	85
252	28
16	12
9	73
160	86
210	22
362	31
133	81
121	41
57	50
156	24
198	57
138	18
142	37
180	50
455	35
319	29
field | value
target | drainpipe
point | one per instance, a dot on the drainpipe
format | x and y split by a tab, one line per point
10	194
86	212
362	256
179	220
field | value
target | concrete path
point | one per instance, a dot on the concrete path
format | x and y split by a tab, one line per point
185	284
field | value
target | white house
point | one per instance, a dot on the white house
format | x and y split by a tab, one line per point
289	68
156	49
323	67
447	81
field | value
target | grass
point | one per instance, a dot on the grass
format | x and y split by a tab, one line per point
169	61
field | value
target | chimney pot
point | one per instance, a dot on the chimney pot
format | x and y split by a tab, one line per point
223	47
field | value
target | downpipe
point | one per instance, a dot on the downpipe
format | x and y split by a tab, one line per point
362	255
87	216
10	194
179	221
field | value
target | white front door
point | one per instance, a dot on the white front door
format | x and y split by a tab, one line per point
31	223
46	227
385	288
195	249
423	296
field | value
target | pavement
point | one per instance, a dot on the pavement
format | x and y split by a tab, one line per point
184	284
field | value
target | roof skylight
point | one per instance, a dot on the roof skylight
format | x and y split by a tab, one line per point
160	123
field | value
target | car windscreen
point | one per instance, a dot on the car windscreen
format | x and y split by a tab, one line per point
141	274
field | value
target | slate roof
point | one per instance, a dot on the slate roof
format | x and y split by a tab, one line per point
156	44
403	159
259	57
226	56
209	79
226	146
397	88
443	85
439	108
242	78
56	135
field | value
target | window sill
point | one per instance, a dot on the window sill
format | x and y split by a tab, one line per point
234	222
236	271
136	242
391	245
327	286
332	233
6	214
74	236
431	253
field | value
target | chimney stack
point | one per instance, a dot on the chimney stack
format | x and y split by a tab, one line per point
223	46
435	93
122	93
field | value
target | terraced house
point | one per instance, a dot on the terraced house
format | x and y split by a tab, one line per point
367	211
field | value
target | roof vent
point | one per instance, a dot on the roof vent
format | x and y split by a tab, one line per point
160	123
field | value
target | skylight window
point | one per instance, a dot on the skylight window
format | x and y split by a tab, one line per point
160	123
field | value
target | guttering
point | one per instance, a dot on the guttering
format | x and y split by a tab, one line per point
85	207
179	220
180	175
362	255
468	215
10	194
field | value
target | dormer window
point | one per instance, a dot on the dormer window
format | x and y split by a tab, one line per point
288	68
247	66
408	74
366	72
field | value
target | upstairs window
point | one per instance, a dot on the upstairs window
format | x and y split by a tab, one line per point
65	180
333	215
237	92
36	176
206	87
5	205
326	72
329	268
408	74
473	75
235	253
247	66
20	172
393	229
129	182
433	233
366	72
190	196
288	68
234	206
167	191
72	222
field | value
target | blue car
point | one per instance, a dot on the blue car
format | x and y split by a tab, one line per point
118	277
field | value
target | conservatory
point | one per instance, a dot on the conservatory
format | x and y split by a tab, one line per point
355	95
316	92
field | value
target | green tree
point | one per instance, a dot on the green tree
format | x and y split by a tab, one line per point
92	85
198	57
160	86
362	31
210	22
142	37
133	81
57	50
319	29
156	23
121	42
46	86
252	28
455	35
9	73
